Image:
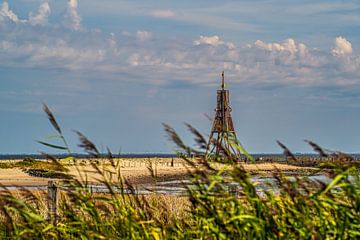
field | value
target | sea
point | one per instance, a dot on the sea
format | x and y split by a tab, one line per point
256	156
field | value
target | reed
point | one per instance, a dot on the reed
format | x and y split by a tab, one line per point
222	203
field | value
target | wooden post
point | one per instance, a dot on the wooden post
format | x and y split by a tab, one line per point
52	201
233	190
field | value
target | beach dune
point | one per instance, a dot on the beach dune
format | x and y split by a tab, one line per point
135	170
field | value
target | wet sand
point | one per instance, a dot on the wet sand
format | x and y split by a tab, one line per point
135	171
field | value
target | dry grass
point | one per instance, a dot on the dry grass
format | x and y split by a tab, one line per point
166	209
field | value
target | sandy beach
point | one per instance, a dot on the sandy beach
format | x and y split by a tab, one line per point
134	170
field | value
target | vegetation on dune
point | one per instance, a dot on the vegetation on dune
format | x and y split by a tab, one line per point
221	204
39	168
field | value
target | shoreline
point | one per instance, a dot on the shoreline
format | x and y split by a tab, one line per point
136	171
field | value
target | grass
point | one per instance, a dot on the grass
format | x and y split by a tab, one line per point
298	209
17	164
39	168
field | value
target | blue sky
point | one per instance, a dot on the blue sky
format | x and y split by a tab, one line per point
115	70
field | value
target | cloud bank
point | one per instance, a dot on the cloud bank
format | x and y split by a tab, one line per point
36	42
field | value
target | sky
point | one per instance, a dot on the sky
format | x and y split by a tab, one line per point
117	70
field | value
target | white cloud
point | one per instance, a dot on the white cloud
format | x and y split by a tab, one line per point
41	18
162	13
143	35
57	55
213	41
134	60
303	51
289	45
6	13
342	47
36	43
72	18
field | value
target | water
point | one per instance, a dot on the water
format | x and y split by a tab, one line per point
178	187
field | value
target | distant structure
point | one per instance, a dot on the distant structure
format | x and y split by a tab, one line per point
223	134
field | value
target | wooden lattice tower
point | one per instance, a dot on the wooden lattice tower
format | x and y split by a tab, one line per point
223	137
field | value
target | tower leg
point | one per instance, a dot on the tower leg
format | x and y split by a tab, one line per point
210	141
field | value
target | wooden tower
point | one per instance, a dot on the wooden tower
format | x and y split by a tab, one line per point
222	137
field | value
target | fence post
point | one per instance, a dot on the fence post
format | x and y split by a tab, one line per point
52	198
233	190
